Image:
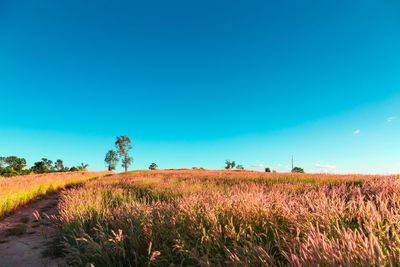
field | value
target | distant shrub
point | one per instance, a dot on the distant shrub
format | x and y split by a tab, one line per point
153	166
9	173
297	170
267	170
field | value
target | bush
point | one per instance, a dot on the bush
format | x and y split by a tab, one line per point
297	170
153	166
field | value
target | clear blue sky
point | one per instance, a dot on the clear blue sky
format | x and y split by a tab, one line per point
194	83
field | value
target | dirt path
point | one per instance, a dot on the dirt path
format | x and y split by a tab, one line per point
21	240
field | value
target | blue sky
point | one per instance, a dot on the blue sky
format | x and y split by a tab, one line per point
196	83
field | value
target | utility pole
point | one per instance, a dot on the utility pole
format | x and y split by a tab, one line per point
292	162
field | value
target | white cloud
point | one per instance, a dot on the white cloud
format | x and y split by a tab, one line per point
390	119
279	165
258	166
287	167
356	131
325	166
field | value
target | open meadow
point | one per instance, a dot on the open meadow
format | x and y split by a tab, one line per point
231	218
234	133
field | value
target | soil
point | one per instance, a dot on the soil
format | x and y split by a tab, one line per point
26	242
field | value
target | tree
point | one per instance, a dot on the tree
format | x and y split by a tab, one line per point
123	146
233	164
228	164
297	170
240	167
111	160
48	163
267	170
39	167
73	169
59	165
83	167
153	166
2	162
45	166
15	163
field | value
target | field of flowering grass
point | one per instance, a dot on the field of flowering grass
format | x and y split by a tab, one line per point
19	190
240	218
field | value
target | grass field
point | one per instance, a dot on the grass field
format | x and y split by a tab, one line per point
240	218
19	190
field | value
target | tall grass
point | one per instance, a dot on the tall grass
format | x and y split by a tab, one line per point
212	218
19	190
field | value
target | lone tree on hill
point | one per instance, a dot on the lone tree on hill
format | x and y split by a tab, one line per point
267	170
111	160
297	170
240	167
153	166
123	146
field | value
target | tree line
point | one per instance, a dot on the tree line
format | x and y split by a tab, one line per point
13	166
231	164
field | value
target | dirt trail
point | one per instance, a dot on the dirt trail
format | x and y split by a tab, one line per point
21	240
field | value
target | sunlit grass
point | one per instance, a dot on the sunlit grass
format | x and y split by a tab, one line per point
19	190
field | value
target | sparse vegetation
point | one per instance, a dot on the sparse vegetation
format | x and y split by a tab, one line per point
240	167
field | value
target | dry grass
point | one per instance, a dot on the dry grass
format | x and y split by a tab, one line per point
212	218
19	190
